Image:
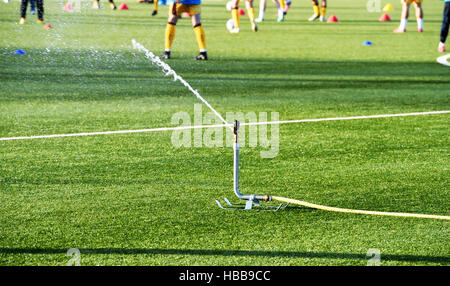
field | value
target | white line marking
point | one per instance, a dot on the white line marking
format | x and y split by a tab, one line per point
443	60
112	132
222	125
348	118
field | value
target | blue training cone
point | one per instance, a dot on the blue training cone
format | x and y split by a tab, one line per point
20	52
367	43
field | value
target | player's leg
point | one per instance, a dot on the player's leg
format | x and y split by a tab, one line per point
316	10
282	4
235	16
40	10
261	14
112	5
170	30
288	5
280	11
32	7
284	7
155	8
404	17
200	36
419	15
23	11
262	10
323	10
445	27
96	4
251	14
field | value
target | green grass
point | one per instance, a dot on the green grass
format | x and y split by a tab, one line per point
135	199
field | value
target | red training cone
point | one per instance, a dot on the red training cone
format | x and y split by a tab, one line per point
385	18
68	7
332	19
123	6
241	12
47	26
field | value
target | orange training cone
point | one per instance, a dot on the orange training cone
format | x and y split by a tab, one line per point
385	18
332	19
47	26
123	6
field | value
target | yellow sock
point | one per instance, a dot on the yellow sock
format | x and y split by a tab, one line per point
251	13
156	5
235	16
170	35
323	11
316	10
201	39
282	4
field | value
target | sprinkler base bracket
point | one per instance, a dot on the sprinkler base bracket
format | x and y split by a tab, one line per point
249	205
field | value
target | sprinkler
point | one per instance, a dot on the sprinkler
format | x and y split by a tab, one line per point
251	200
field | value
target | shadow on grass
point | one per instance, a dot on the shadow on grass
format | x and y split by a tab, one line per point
87	75
246	253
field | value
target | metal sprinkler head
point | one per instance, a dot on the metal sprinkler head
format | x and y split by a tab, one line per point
236	127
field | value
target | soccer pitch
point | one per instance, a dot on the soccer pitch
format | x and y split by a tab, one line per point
136	199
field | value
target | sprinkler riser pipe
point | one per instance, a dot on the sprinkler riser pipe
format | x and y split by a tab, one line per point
236	179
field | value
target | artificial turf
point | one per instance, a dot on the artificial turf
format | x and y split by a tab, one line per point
135	199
